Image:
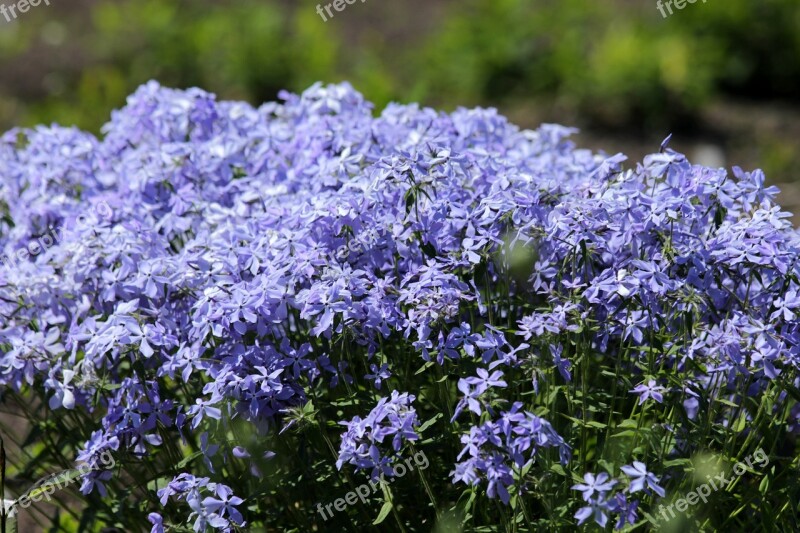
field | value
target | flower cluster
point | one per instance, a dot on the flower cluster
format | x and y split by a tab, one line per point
596	493
255	259
392	418
496	448
217	510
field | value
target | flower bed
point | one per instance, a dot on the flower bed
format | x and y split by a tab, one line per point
255	311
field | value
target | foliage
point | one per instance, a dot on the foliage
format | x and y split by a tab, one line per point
618	64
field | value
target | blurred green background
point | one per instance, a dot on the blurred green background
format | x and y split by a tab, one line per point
724	76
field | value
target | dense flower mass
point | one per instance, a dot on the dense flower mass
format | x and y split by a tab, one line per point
207	266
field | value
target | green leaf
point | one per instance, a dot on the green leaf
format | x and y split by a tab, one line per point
423	368
763	487
741	423
429	423
411	197
608	467
186	460
385	510
308	408
343	403
678	462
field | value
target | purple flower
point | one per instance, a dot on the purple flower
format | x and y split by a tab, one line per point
563	365
494	449
218	510
474	387
157	521
640	478
650	390
485	380
208	450
596	510
378	374
393	418
594	486
224	504
628	510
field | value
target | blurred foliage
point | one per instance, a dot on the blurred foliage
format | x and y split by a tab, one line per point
620	62
617	63
248	50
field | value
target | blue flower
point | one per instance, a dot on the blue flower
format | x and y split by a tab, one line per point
640	478
650	390
594	486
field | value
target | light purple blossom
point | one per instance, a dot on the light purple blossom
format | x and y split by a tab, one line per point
641	478
649	390
594	486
